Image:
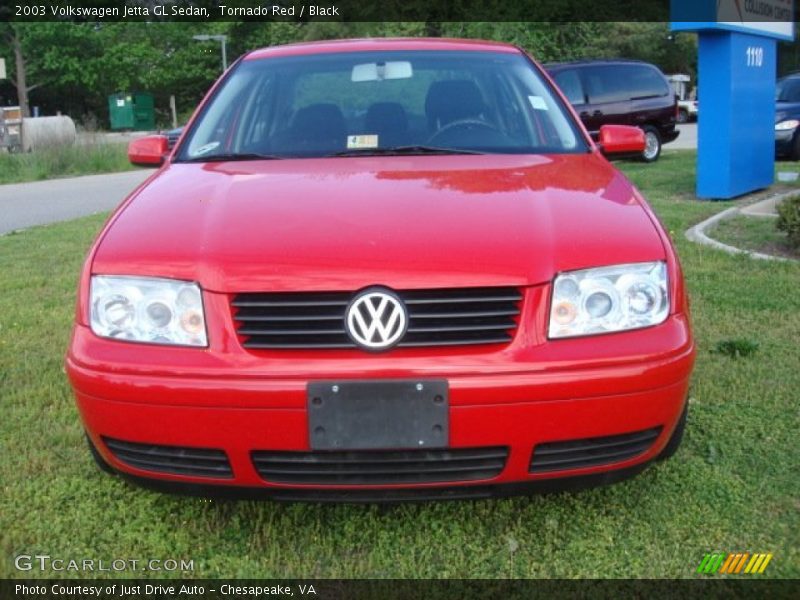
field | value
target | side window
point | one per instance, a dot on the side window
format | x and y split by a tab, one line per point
258	116
645	82
317	88
792	93
218	121
509	116
605	84
571	85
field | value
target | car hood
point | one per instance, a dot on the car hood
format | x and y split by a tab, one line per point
786	110
403	222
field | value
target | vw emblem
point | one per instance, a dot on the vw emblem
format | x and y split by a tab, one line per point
376	319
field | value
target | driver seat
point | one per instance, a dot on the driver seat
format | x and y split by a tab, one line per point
453	100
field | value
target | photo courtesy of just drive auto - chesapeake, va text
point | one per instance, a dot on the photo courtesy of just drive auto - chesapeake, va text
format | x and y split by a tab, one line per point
399	300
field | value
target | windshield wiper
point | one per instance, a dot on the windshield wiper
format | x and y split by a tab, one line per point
232	156
401	150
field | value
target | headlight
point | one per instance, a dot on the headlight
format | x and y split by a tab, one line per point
786	125
608	299
147	309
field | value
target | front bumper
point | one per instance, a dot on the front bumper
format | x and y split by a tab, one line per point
568	390
669	135
784	142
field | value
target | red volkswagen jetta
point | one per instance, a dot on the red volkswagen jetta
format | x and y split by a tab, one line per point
382	269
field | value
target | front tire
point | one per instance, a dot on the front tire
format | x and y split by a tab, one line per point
683	116
677	436
652	144
98	459
795	153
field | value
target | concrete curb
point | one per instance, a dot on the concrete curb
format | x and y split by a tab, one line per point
763	208
697	233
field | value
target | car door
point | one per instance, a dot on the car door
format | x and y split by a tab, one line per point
608	99
651	97
571	85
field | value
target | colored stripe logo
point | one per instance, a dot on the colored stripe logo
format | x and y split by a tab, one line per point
734	563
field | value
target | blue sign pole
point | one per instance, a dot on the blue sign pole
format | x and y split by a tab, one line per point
736	139
737	59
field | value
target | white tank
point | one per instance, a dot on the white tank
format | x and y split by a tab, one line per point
44	132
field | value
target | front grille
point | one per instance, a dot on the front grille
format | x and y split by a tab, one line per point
591	452
446	317
378	467
197	462
172	138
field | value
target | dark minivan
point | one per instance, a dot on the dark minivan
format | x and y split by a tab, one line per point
787	117
620	92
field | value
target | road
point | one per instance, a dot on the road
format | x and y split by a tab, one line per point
687	140
111	137
41	202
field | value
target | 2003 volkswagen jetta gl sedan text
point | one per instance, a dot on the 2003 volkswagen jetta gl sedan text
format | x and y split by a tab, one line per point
377	270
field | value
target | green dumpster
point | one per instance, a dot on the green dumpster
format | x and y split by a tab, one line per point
132	111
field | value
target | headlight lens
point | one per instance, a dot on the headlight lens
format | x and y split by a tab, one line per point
608	299
148	310
786	125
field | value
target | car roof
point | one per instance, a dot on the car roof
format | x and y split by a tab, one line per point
595	61
381	44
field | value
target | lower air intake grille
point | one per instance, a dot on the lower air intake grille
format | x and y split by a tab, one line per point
591	452
378	467
172	137
196	462
444	317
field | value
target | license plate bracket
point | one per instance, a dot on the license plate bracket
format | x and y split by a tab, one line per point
378	414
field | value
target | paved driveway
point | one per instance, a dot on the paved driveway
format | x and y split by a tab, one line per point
41	202
687	140
38	203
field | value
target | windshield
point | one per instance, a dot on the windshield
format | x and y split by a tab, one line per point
788	90
382	103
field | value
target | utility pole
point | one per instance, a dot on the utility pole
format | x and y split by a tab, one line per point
223	39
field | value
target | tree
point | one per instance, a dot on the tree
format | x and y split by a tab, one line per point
31	44
74	67
19	73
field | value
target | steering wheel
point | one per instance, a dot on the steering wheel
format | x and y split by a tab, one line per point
462	124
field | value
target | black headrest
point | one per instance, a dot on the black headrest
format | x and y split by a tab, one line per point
319	121
386	117
449	101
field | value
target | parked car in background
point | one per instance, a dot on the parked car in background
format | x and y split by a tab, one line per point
11	128
383	269
787	117
620	92
173	135
687	110
687	104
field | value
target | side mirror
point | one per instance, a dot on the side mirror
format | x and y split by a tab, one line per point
621	139
149	151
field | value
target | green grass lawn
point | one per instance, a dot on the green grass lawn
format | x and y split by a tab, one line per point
754	233
64	161
734	485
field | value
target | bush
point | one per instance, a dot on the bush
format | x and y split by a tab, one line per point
87	158
736	348
789	220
